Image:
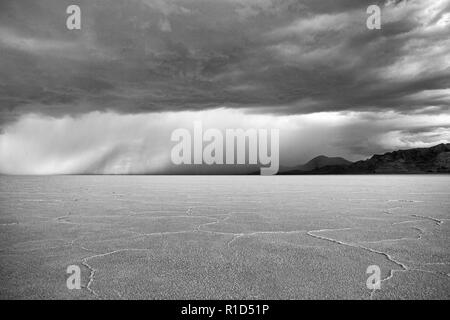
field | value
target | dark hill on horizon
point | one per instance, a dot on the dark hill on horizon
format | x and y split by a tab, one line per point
317	163
411	161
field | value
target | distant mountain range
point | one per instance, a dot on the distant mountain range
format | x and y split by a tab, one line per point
412	161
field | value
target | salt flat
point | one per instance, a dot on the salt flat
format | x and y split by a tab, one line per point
225	237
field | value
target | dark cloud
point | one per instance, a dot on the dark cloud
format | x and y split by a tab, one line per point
275	56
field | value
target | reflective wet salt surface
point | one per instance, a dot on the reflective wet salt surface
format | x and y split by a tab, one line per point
225	237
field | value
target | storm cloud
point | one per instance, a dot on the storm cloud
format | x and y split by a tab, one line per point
276	56
314	65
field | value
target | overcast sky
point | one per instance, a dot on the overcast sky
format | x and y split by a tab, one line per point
108	95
